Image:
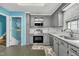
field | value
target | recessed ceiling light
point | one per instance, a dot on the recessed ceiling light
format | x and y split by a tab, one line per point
31	4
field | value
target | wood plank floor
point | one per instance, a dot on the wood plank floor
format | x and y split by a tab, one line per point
20	51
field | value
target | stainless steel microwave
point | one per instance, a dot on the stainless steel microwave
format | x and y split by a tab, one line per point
38	24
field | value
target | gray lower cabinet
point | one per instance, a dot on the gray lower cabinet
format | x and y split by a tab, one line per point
31	39
46	39
51	40
73	51
63	48
56	45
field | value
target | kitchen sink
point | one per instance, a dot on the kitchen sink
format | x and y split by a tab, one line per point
69	38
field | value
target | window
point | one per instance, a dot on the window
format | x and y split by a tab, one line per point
73	25
78	24
69	25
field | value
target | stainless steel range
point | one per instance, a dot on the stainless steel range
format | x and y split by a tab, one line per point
38	36
37	39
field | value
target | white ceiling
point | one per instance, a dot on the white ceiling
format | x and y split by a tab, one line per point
32	8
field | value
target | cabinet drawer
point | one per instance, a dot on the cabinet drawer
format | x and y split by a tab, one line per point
72	54
74	50
56	39
50	35
63	43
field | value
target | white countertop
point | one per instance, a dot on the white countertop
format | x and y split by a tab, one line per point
72	42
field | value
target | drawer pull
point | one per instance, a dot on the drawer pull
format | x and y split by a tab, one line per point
74	51
71	55
62	43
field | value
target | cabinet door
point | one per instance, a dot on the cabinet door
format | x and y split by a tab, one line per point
46	39
31	39
73	51
72	54
62	48
56	46
60	19
51	40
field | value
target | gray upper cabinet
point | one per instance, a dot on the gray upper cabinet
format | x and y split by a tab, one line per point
57	19
46	20
60	18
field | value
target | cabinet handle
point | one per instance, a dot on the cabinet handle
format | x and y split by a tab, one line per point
73	50
62	43
67	52
71	55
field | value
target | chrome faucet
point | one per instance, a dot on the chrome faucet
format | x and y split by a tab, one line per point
70	32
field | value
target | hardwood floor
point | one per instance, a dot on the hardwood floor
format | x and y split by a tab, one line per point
20	51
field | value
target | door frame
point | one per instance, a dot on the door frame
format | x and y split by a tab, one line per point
7	29
21	26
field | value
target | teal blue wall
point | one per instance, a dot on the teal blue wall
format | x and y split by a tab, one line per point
23	22
4	11
2	25
23	25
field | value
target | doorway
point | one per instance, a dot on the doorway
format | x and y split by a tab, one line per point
3	30
16	30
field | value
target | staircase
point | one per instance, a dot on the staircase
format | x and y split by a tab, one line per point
3	40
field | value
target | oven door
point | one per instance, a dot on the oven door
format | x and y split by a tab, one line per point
37	39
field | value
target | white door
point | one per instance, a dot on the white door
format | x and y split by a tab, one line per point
13	41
